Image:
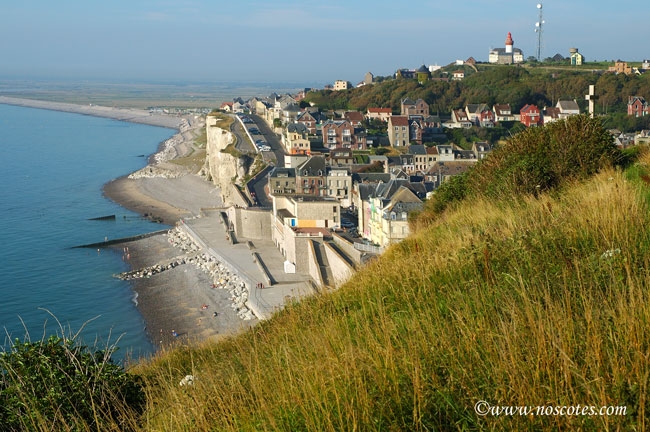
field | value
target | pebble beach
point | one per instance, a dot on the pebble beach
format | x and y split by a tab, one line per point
182	294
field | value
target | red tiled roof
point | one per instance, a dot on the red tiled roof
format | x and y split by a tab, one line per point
380	110
399	120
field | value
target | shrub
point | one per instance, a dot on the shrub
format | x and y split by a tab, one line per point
57	382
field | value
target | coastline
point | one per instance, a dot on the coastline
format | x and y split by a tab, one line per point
132	115
183	299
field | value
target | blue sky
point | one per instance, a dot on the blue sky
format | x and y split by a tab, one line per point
291	41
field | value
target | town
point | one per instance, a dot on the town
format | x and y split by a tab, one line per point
341	185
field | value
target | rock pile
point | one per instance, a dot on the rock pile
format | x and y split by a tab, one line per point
220	274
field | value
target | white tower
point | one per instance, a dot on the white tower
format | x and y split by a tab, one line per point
509	43
538	29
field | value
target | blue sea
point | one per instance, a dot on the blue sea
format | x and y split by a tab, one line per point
54	166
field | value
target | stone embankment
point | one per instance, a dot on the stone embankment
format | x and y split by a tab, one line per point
221	276
169	149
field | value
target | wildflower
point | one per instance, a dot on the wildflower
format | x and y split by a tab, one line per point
610	253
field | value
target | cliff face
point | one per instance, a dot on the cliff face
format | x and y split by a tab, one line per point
224	165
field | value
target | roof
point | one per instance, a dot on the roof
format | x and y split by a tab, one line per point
528	108
399	120
567	105
314	166
417	149
380	110
476	108
500	109
282	172
354	116
297	128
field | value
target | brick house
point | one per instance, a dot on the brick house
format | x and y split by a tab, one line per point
311	120
341	134
530	116
637	106
418	107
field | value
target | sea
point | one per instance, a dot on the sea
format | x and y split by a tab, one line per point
54	165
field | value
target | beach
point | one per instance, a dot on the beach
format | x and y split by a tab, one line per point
183	303
190	283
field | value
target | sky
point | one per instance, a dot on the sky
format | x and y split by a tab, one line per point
297	41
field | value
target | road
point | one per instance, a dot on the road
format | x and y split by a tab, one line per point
271	138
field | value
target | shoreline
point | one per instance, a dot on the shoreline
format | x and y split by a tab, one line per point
165	192
132	115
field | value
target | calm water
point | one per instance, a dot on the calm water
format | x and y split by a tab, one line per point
54	166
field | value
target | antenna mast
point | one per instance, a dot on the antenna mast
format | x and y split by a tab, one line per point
538	29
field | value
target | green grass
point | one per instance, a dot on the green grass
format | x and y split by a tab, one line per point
515	303
542	300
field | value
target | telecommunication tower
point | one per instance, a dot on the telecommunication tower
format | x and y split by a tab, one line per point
539	25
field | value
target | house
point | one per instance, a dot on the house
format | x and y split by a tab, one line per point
368	78
503	113
354	117
298	221
418	107
311	119
637	106
340	157
620	67
576	58
341	85
423	157
295	139
472	111
550	114
379	113
440	172
338	133
239	107
226	106
567	108
282	181
530	116
459	119
388	207
339	185
642	138
458	75
398	131
481	149
311	177
486	118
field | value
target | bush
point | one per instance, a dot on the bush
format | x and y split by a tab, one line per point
57	383
541	159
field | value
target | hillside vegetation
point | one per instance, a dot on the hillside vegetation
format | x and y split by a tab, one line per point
499	84
503	296
537	300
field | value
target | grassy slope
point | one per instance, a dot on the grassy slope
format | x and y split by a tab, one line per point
512	303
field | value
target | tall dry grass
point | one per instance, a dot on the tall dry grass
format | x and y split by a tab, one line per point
543	301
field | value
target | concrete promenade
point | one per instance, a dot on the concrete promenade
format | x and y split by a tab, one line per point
255	261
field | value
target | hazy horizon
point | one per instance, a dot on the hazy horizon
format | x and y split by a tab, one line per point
289	42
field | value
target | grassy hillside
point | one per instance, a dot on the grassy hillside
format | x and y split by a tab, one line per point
537	301
510	298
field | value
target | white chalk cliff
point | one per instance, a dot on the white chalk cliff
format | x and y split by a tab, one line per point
224	165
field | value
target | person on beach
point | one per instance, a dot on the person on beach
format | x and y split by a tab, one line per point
174	333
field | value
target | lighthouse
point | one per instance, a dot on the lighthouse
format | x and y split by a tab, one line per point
507	55
509	43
